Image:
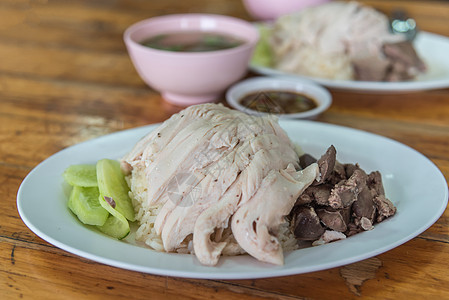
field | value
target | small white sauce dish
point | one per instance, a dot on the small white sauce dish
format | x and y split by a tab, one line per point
237	92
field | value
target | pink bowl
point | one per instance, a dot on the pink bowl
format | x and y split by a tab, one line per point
268	10
186	78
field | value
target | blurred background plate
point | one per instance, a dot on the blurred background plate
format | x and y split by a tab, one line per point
432	48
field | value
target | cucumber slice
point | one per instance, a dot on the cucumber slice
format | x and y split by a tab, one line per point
83	202
111	183
116	225
81	175
263	53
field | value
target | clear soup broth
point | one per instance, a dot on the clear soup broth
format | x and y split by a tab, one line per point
192	41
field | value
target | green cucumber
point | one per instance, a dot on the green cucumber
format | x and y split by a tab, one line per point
111	183
263	54
81	175
116	225
83	202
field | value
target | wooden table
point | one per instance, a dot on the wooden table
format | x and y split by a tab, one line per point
65	77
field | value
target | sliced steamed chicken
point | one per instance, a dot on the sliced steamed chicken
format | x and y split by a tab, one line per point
208	167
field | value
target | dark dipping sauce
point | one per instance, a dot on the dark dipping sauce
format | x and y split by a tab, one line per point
278	102
192	41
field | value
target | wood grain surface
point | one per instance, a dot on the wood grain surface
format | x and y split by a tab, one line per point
65	77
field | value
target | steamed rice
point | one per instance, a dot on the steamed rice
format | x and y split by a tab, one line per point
146	216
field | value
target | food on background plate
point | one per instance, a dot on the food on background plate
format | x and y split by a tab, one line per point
338	40
212	181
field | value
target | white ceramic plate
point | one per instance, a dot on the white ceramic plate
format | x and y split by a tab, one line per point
432	48
409	178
